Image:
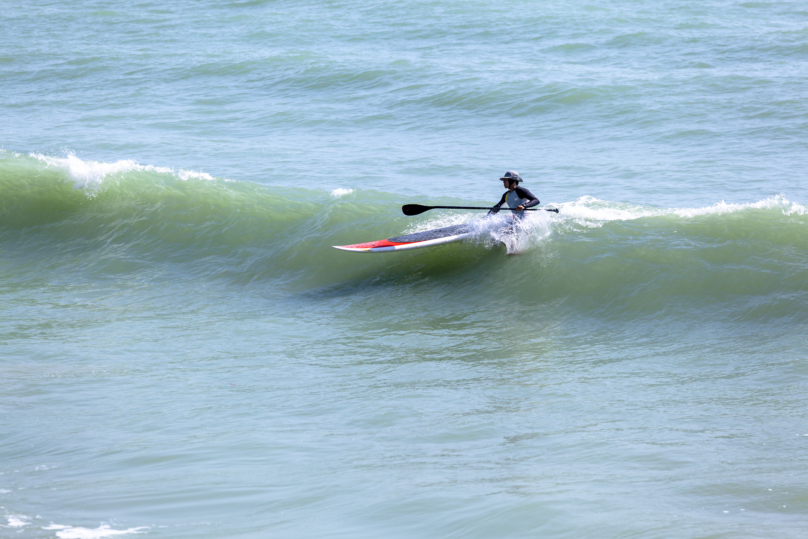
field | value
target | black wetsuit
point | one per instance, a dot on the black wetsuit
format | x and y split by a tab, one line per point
523	194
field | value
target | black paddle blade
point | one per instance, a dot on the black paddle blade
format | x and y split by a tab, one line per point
414	209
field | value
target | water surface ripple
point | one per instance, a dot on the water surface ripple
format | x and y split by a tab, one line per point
184	354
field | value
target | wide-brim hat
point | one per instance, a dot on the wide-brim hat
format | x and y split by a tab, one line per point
512	175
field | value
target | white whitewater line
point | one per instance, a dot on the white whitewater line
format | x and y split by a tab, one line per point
778	201
592	212
188	174
340	192
69	532
91	174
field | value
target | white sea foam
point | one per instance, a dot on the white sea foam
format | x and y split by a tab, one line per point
17	521
521	234
592	212
91	174
493	231
70	532
341	192
188	174
773	202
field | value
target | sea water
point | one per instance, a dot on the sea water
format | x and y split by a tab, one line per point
183	354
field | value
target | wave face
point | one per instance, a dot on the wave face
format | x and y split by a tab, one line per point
100	219
183	353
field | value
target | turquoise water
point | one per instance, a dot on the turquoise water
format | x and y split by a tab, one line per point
183	354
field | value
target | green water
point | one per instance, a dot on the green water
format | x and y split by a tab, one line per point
184	354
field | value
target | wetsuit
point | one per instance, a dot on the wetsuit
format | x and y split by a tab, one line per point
518	197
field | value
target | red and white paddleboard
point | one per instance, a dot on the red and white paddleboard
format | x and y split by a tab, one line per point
412	241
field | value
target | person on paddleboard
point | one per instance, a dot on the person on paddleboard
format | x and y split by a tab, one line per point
518	198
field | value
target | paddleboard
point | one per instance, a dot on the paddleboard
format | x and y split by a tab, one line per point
417	240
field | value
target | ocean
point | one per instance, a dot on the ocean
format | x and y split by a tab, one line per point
184	355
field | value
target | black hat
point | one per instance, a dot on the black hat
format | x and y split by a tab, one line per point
512	175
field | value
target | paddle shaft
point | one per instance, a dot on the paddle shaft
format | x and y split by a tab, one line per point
415	209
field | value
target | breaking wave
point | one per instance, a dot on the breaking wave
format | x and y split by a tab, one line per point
103	220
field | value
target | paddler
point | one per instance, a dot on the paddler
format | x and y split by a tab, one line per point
518	198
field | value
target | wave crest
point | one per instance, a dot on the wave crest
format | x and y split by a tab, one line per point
592	212
90	175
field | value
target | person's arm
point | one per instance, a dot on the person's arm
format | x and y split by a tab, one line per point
523	193
496	207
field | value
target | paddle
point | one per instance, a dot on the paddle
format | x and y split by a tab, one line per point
417	209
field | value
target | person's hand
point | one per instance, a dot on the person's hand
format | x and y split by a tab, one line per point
520	207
